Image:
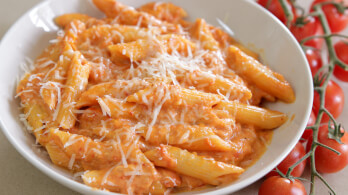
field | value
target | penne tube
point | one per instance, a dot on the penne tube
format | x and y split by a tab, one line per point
198	138
259	95
190	164
120	109
157	188
126	15
190	182
117	179
50	90
77	80
49	58
111	8
248	114
125	53
223	38
174	95
90	96
87	153
36	116
65	19
139	50
35	113
168	178
164	11
60	158
246	50
115	89
105	35
260	75
137	176
176	44
201	32
217	84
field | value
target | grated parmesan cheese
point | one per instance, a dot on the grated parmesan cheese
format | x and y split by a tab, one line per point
72	161
104	107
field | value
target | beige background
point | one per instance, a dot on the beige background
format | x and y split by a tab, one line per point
18	176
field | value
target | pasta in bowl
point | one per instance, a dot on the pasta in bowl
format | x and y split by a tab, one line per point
143	101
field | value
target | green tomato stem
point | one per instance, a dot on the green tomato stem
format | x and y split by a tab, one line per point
287	11
321	81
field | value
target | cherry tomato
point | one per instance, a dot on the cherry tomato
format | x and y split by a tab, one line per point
334	101
276	8
311	27
336	20
314	60
295	155
326	161
308	132
276	185
341	49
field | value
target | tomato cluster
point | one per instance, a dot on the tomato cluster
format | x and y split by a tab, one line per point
326	161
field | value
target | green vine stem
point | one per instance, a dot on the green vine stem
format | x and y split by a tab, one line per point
322	36
321	81
287	11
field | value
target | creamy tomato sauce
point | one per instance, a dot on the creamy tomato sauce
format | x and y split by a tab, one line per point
143	101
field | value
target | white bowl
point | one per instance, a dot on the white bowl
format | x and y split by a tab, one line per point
251	24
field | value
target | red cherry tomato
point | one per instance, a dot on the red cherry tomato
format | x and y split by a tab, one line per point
341	49
326	161
308	132
276	185
312	27
337	21
314	60
276	8
334	101
295	155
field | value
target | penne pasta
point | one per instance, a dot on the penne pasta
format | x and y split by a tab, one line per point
66	19
190	164
248	114
136	51
174	95
216	84
198	138
117	89
139	50
201	32
263	77
55	77
125	178
105	35
60	158
36	115
77	79
157	188
164	11
168	178
126	15
116	179
90	154
119	109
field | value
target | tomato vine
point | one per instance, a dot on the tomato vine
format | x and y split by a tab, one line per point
321	80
